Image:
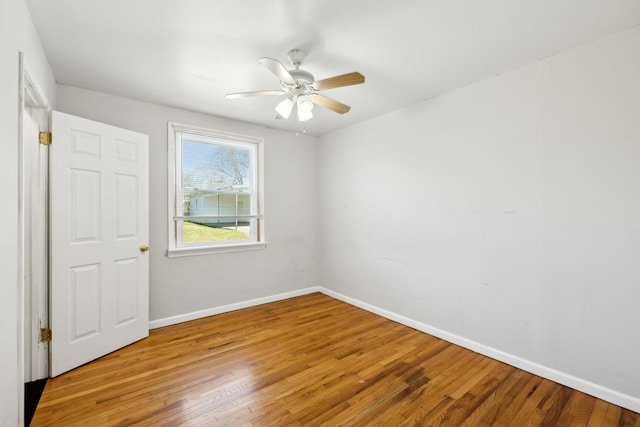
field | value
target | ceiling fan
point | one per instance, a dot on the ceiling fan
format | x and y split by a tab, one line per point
301	88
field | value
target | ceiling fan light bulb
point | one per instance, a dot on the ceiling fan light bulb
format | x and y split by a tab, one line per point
305	104
303	116
284	108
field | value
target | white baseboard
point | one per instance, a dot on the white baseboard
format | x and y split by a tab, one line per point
601	392
158	323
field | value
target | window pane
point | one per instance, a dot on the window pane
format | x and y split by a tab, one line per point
215	183
214	167
196	233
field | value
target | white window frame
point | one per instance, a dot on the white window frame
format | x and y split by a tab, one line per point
176	247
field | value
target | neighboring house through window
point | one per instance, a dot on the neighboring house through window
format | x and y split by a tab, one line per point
215	191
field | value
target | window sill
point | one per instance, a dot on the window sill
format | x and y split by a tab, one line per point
194	251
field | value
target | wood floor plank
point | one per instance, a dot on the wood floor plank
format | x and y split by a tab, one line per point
309	361
599	414
534	410
481	393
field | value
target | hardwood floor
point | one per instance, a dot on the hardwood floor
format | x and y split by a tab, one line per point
311	360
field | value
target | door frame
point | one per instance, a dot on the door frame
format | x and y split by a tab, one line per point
34	357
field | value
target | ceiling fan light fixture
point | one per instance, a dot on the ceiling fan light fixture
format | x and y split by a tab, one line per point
305	108
305	104
284	108
303	116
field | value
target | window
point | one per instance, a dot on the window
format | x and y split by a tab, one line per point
215	191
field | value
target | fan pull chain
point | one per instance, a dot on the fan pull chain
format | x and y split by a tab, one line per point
304	130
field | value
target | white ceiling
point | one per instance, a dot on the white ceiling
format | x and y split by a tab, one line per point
190	53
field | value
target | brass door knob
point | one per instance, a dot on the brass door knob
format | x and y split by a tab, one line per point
144	248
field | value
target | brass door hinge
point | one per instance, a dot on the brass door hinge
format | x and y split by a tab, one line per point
45	334
45	138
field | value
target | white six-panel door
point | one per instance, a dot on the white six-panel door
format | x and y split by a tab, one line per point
99	210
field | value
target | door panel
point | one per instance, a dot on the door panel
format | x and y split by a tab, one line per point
85	301
126	215
126	282
84	211
99	220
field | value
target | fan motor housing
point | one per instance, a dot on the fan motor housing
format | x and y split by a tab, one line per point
305	76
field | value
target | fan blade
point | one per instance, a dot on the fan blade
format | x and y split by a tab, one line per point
278	69
256	93
349	79
331	104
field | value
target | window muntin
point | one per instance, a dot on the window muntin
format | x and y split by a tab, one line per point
215	191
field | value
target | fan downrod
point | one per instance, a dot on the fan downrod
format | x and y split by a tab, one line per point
296	57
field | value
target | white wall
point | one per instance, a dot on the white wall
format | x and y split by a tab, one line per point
184	285
16	34
506	214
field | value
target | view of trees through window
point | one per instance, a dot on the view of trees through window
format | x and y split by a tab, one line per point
216	184
213	167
